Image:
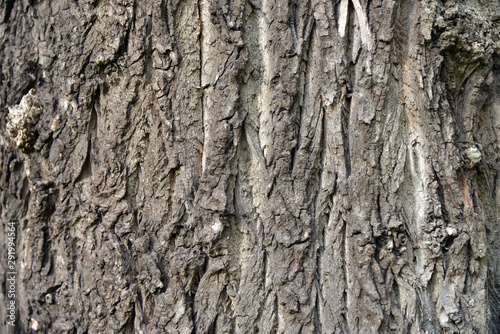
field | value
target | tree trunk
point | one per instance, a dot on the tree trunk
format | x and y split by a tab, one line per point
251	166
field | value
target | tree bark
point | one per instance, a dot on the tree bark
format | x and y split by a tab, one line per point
251	166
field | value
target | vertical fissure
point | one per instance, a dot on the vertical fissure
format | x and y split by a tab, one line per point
301	100
344	271
202	89
8	10
346	106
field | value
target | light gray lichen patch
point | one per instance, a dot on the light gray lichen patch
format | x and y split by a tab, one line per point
472	156
22	121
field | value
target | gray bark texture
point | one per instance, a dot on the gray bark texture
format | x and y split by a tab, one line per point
251	166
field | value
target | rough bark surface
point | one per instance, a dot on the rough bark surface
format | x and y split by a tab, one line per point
252	166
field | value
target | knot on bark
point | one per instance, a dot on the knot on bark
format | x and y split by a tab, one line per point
22	120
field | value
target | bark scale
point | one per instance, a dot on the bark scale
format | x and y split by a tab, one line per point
251	165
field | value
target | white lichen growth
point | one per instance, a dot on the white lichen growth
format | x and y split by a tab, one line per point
451	231
472	156
22	120
217	226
